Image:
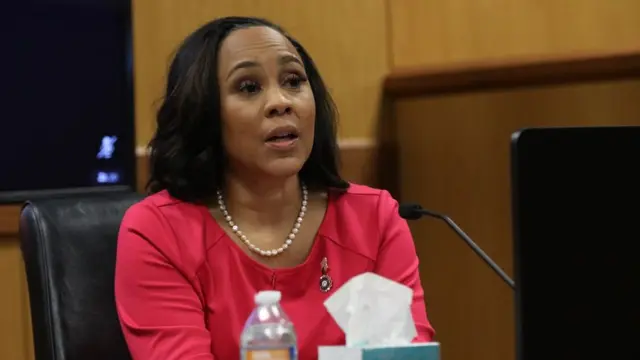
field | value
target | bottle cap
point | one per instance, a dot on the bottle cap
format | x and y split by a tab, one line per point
267	297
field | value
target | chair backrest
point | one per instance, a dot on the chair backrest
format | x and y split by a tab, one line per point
69	249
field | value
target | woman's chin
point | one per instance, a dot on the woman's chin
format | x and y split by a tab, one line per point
284	167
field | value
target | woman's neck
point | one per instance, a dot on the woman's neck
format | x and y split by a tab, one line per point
263	203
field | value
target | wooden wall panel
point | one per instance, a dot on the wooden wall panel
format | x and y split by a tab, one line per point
347	39
15	327
454	158
437	32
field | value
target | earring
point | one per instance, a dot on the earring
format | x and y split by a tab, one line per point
325	280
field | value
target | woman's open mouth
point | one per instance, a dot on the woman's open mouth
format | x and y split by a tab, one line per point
283	138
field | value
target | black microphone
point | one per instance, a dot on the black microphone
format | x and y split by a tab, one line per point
415	211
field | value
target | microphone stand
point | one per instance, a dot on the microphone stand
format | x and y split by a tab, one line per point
471	244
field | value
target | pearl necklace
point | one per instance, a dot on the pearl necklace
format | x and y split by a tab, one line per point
292	235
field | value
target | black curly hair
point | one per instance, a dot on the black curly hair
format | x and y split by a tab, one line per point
187	155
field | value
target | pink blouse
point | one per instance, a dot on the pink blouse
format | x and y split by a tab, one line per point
184	289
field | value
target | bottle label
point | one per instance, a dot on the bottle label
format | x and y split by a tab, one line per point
271	354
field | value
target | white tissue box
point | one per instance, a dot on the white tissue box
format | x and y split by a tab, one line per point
421	351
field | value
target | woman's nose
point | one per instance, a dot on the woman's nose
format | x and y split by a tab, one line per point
278	103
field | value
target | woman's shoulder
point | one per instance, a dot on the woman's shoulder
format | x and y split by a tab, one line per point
365	198
170	224
158	207
358	217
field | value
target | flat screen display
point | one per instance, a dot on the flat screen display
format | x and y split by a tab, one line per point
576	200
67	98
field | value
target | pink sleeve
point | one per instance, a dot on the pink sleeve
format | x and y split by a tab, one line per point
160	311
397	260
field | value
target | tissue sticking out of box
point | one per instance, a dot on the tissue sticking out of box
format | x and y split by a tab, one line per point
373	310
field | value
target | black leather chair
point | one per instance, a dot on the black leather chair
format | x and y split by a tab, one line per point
69	248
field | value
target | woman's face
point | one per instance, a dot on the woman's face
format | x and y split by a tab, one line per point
268	109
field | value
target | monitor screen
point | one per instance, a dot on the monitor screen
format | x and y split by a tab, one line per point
67	98
576	202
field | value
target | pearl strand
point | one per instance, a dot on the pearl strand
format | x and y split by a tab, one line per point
289	240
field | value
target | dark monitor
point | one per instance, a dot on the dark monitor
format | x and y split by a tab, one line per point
576	215
66	106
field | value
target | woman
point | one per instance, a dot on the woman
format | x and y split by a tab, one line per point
246	196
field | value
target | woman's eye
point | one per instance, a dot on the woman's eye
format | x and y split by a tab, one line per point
294	81
249	87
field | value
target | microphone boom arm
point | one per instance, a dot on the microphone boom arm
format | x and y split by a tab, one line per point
472	245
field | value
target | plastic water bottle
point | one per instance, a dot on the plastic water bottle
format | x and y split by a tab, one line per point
268	334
